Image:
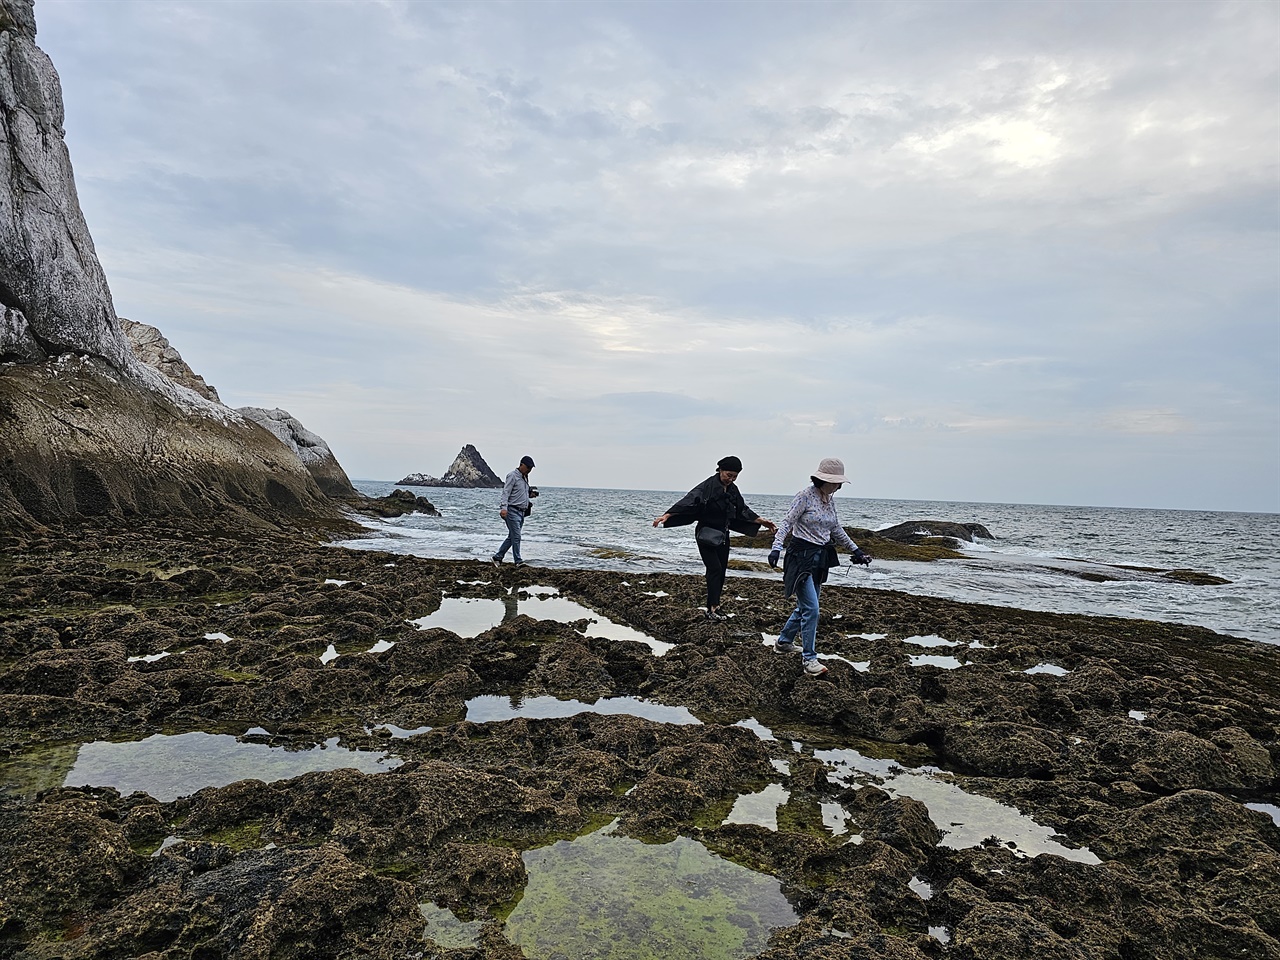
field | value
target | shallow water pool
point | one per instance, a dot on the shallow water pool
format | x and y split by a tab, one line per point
609	897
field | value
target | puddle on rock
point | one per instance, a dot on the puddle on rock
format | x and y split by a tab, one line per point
149	658
774	808
44	768
490	708
756	727
921	888
931	640
1137	715
169	767
1052	669
398	733
447	931
965	819
760	808
471	616
928	660
1270	809
613	898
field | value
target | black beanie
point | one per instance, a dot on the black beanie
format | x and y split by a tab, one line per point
730	463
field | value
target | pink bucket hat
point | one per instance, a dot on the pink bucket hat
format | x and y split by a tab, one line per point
831	470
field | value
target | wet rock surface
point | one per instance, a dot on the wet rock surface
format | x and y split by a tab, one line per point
335	862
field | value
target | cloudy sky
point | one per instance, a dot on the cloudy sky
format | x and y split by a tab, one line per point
1020	252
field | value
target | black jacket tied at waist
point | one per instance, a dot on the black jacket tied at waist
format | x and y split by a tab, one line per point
805	559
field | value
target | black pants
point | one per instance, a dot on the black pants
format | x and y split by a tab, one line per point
716	560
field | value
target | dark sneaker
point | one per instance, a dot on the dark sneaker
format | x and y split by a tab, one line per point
709	616
785	646
717	615
814	668
519	564
495	561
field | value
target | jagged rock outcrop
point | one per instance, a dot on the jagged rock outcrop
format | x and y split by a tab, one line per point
86	427
310	448
153	348
468	470
397	503
914	530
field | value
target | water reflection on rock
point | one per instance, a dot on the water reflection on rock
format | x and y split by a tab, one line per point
490	709
168	767
471	616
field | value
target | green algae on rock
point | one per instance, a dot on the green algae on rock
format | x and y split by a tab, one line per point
615	898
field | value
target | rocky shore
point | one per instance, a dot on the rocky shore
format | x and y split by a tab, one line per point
1132	747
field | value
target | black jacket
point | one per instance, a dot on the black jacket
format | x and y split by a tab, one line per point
712	504
805	559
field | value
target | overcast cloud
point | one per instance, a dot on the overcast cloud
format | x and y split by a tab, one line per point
1022	252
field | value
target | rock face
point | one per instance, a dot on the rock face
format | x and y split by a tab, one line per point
52	287
86	427
152	348
468	470
309	448
77	439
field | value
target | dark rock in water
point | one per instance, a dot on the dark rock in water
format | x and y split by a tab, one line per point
396	504
308	447
468	470
913	531
1195	578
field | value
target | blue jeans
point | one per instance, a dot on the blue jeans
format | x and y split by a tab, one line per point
515	520
804	620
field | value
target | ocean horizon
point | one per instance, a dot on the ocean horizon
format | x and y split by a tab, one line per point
1057	558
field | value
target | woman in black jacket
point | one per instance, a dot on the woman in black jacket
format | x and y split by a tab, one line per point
717	507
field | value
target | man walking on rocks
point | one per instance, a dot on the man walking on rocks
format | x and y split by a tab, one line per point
514	506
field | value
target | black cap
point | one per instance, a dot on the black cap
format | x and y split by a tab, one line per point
730	463
527	461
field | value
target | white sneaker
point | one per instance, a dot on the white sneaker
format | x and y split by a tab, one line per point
814	668
786	646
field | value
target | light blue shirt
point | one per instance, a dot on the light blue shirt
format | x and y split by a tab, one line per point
515	492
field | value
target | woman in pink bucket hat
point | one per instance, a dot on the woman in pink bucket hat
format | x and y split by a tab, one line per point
813	525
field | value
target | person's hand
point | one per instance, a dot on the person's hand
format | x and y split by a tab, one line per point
503	514
773	558
768	525
859	557
659	521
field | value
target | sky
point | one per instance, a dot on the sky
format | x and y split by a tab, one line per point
993	252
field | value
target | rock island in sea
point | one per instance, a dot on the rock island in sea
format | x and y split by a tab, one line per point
220	737
467	470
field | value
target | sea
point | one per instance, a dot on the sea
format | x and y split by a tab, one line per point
1039	559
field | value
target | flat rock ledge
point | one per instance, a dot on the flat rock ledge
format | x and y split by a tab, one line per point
255	869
